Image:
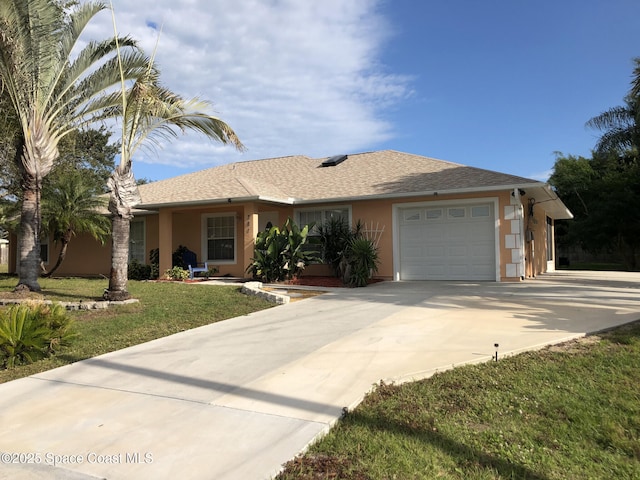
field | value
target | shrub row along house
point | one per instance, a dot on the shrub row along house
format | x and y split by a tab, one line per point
434	220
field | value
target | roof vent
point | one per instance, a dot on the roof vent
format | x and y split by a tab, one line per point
333	161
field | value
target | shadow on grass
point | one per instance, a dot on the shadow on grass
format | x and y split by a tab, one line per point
464	455
57	296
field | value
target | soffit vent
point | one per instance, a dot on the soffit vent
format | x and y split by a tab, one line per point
333	161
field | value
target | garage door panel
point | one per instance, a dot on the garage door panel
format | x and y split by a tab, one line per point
435	251
457	245
433	234
457	254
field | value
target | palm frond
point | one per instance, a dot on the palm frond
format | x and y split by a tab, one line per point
156	114
615	139
616	117
635	83
82	102
82	73
68	39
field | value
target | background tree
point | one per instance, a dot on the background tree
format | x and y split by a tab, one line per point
621	125
601	192
150	113
53	92
86	156
90	151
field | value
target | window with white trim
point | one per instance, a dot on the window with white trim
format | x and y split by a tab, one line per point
319	216
220	238
136	241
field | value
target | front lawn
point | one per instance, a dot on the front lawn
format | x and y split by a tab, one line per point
567	412
164	308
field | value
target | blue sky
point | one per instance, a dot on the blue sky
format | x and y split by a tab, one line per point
498	84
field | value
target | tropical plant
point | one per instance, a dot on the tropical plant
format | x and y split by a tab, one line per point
282	254
31	332
54	89
69	207
352	256
149	112
334	236
361	262
621	124
177	273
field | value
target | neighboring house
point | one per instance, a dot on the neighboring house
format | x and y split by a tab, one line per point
435	220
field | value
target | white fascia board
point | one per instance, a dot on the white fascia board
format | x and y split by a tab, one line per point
221	201
426	193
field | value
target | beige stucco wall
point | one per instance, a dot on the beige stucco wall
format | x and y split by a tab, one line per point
536	246
173	227
85	257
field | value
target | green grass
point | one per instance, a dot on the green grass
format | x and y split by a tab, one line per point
164	308
567	412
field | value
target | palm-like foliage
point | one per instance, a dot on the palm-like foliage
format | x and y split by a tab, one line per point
70	207
621	125
54	91
150	114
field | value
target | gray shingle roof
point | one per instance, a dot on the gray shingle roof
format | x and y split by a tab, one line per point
302	179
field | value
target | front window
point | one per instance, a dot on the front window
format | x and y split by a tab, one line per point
221	238
44	249
136	241
320	216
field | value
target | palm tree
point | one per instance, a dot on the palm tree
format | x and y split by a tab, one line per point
621	125
54	91
152	113
69	207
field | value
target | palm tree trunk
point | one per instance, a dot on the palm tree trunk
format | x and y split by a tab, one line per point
124	196
35	157
119	259
29	236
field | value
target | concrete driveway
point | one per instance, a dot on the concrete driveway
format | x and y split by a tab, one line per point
236	399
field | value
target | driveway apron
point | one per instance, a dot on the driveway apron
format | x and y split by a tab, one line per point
237	399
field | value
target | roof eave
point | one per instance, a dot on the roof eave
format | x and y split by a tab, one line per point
422	193
218	201
554	207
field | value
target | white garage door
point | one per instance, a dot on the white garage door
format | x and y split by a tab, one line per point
448	243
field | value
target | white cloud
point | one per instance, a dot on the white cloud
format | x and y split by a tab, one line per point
542	176
290	76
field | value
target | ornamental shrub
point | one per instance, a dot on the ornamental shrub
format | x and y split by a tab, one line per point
177	273
138	271
282	254
361	259
30	332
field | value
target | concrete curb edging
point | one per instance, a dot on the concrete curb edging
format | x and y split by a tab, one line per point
90	305
255	288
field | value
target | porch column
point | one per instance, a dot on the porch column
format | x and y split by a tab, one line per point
250	230
165	239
